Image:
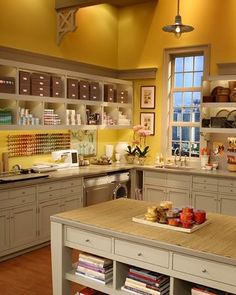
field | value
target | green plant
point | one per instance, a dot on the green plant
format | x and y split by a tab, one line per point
131	150
142	153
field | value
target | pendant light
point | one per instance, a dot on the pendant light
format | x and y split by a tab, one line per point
178	28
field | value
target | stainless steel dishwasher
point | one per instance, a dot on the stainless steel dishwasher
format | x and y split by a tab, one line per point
97	190
106	187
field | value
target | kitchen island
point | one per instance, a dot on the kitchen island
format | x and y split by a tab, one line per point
206	257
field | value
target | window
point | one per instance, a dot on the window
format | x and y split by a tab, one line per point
184	73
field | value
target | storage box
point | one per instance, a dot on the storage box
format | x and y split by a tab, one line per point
72	88
94	91
40	77
109	93
7	85
24	82
56	87
83	89
122	96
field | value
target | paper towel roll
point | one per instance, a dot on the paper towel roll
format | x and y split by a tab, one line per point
109	150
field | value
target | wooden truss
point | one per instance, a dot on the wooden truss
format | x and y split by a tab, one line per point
66	22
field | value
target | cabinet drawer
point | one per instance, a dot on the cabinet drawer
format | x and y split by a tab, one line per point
72	190
17	201
50	195
155	178
205	187
22	192
142	253
49	187
227	189
206	180
70	183
179	181
88	239
227	182
206	269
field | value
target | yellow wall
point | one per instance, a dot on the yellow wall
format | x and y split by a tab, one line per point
31	25
130	37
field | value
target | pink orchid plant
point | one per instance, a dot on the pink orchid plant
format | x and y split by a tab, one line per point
139	147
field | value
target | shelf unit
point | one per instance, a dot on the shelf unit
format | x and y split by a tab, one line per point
36	105
210	109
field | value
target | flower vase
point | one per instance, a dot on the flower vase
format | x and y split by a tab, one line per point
142	161
204	160
130	159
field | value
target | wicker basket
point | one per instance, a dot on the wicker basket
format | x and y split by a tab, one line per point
231	167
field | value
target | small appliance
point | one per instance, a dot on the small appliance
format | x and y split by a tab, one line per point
66	158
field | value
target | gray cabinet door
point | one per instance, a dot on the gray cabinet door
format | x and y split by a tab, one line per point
154	193
180	198
46	209
4	230
205	201
23	225
227	204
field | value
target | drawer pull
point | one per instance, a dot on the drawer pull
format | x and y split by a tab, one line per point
204	270
87	240
140	254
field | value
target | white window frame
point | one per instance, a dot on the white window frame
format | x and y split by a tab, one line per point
166	94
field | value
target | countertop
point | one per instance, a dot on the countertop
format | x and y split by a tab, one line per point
217	240
95	170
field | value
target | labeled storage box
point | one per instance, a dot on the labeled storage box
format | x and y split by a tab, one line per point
7	85
94	91
56	87
40	84
24	82
72	88
122	96
83	89
109	93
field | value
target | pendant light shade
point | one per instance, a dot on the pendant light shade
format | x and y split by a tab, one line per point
178	28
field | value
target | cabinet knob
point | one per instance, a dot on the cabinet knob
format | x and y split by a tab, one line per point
87	240
204	270
140	254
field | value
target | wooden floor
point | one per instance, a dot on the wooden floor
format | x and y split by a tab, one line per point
28	274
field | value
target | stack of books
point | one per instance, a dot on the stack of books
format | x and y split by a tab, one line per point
145	282
201	290
95	268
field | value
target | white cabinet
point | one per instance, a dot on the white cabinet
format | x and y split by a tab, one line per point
159	186
52	109
55	197
227	197
18	225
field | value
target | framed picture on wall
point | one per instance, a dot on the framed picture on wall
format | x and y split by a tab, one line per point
148	121
147	100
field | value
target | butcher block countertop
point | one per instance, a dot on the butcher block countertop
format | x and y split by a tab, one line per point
216	241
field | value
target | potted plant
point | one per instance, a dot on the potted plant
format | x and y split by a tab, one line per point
142	154
131	153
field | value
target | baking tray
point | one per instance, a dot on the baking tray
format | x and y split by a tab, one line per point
142	220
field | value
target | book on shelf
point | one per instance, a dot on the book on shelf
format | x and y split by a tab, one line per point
96	260
206	291
147	289
146	274
91	266
148	286
136	291
94	278
87	291
96	274
142	279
